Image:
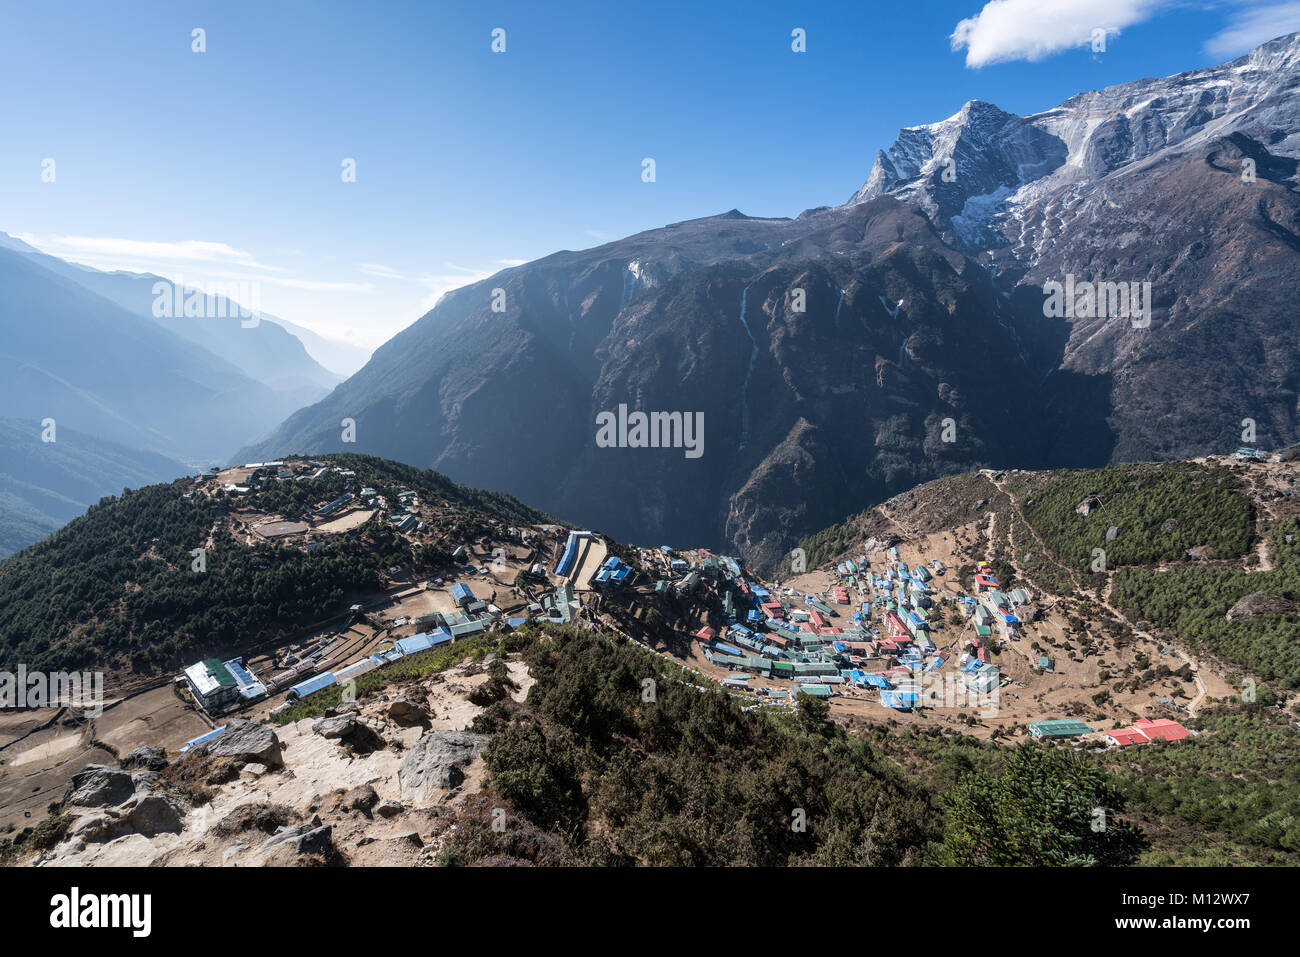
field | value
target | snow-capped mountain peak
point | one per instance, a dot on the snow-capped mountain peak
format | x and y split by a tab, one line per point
982	162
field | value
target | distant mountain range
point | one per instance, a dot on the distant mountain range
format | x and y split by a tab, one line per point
134	398
923	347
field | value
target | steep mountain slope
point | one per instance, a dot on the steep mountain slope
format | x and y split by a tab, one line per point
808	413
337	356
44	484
805	413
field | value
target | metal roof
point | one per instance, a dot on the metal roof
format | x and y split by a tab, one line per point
312	685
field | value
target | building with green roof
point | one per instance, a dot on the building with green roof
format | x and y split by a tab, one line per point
1068	728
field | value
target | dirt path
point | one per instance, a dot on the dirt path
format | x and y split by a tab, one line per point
1265	560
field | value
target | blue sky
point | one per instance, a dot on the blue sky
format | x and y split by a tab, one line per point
226	164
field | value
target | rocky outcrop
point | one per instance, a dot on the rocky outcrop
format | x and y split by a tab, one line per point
260	816
435	764
114	802
313	840
404	711
1261	603
96	785
357	736
147	758
248	742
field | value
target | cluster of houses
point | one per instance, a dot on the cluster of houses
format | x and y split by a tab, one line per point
404	515
822	642
826	642
223	687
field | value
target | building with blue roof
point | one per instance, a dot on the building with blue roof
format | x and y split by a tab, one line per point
202	739
309	687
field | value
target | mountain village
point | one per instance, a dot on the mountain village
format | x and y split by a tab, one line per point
905	631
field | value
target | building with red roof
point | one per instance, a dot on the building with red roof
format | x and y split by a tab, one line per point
1146	730
1161	728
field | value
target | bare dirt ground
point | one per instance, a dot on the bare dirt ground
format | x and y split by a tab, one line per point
347	521
597	552
36	767
280	529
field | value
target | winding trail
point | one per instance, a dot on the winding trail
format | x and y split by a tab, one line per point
1102	597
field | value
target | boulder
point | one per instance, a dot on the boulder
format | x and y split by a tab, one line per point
146	782
350	731
146	758
408	837
1261	603
434	764
335	727
152	814
245	741
303	839
265	817
232	852
96	785
145	814
406	711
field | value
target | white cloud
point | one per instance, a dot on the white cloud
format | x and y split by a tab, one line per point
1254	25
113	247
188	261
383	272
1035	29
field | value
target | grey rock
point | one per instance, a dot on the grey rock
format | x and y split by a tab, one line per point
303	839
359	737
435	763
146	758
406	711
232	852
245	741
155	814
96	785
335	727
146	782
